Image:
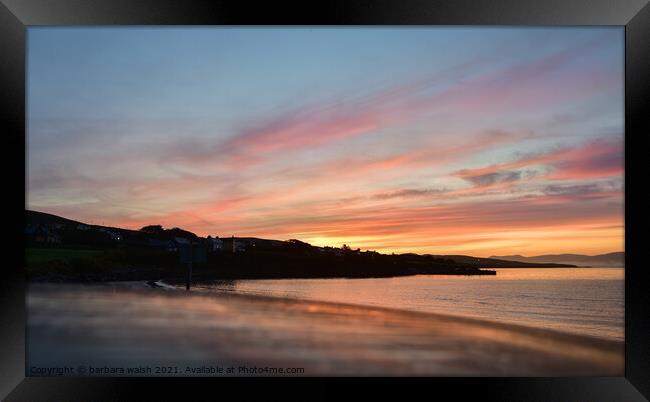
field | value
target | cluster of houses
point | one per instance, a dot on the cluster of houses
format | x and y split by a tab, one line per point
53	234
114	234
59	233
339	252
215	244
212	244
44	233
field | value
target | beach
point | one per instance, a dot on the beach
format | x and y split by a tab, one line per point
114	329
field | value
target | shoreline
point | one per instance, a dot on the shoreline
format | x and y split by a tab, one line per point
148	275
324	337
155	285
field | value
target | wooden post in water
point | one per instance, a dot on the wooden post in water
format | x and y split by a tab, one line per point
189	266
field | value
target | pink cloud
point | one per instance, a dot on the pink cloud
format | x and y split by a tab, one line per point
321	124
600	158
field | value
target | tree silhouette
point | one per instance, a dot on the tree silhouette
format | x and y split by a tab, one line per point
153	229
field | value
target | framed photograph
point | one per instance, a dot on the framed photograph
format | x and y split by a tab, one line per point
213	193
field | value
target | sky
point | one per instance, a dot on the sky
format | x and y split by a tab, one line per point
442	140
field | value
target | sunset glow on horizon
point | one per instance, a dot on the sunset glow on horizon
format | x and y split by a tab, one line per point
448	140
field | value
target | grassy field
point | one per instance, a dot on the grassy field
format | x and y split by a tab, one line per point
78	263
41	255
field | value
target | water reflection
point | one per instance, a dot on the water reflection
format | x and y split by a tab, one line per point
586	301
94	326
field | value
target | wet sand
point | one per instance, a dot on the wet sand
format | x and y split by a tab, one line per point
133	326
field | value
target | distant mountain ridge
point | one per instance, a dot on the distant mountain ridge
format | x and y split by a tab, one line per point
615	259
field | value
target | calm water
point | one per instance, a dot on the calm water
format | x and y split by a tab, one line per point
587	301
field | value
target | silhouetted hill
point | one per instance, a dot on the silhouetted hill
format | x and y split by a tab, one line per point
616	259
71	249
43	218
503	262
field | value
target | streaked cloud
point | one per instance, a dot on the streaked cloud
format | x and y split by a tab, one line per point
395	140
411	192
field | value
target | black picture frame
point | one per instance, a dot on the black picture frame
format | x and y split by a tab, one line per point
17	15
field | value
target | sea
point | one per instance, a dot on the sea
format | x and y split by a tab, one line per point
584	301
